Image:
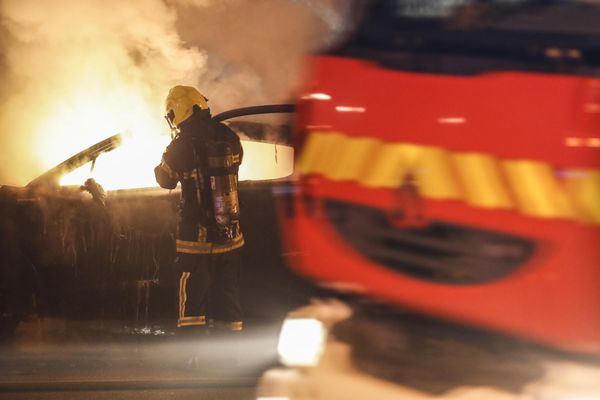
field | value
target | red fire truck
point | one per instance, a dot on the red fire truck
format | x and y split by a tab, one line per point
450	163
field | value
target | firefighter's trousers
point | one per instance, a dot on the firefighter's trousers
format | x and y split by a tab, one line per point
209	290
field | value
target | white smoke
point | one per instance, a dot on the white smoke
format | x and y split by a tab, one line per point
76	71
256	49
81	70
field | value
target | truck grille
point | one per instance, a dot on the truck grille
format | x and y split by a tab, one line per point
440	252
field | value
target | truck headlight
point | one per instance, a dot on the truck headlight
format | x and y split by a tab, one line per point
301	342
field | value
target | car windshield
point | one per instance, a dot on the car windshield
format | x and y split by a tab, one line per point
421	9
542	17
470	36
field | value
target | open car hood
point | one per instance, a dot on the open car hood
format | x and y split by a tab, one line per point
53	175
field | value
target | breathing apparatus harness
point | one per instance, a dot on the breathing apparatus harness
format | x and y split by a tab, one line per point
218	170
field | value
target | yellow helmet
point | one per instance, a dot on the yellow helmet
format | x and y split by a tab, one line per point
180	102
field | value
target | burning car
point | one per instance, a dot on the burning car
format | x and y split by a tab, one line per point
92	238
449	159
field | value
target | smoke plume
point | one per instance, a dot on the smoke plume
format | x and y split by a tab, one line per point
76	71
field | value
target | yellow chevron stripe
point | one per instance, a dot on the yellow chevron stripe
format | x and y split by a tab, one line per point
436	175
480	180
583	188
537	190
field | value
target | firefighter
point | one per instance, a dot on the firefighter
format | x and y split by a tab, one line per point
204	157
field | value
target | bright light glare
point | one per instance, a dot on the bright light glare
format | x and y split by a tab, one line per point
266	161
316	96
132	164
350	109
301	342
90	114
451	120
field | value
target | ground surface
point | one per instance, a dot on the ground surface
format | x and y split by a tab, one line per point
55	359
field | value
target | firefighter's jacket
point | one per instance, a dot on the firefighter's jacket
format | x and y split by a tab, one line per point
185	161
